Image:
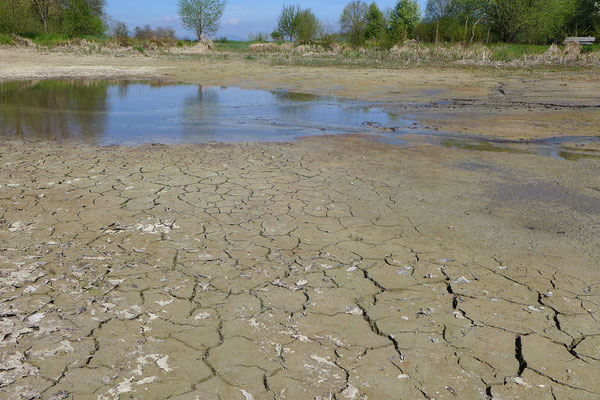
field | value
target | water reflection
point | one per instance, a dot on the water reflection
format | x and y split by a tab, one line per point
122	112
53	109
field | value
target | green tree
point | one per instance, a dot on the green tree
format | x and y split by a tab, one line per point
376	23
97	6
16	16
530	21
201	16
405	16
286	22
44	9
354	21
297	24
307	26
79	19
586	19
435	11
548	21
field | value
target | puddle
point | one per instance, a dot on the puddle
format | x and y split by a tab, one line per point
130	113
550	147
467	144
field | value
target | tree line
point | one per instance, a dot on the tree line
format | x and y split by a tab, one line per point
74	17
510	21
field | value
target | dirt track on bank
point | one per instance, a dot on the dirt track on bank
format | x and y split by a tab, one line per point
331	267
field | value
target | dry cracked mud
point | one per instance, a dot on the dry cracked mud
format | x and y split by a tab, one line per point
326	268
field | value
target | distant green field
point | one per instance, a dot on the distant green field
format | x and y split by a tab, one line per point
232	45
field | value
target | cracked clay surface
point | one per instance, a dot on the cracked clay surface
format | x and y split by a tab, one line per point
326	268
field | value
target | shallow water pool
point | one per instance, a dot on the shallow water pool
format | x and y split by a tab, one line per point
130	113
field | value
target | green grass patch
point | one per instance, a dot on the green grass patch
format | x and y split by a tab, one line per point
48	39
59	39
510	52
233	45
590	48
6	39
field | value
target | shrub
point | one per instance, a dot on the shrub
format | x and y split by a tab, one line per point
258	37
276	36
328	39
120	32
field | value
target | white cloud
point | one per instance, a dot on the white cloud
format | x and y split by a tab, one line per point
233	22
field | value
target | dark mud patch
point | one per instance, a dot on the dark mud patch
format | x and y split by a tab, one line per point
547	194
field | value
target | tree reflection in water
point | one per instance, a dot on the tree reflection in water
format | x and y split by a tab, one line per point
43	110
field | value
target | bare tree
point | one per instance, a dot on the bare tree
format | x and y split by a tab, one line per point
436	10
201	16
354	20
43	7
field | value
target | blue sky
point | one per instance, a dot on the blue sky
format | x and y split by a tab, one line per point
241	16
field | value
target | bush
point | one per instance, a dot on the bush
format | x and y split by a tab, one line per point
258	37
121	33
276	36
159	36
327	40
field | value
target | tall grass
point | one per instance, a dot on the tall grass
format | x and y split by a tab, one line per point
511	52
60	39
